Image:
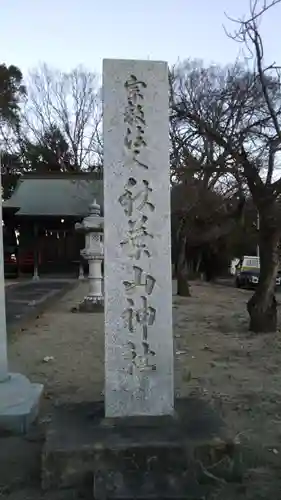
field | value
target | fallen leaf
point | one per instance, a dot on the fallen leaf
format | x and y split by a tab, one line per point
47	359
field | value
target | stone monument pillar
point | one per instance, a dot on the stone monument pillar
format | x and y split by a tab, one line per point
148	450
138	285
19	399
92	226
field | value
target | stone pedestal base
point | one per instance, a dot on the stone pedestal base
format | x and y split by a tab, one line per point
19	403
140	457
92	304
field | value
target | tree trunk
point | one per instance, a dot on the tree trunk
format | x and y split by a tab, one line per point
262	307
183	285
198	263
182	274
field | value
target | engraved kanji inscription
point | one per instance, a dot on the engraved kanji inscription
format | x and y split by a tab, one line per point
134	118
134	114
137	238
141	281
144	362
135	198
134	86
129	315
134	109
136	142
144	315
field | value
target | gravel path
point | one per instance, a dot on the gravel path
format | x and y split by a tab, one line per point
74	342
215	357
25	299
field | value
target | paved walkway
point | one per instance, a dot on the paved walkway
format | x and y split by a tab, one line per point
28	298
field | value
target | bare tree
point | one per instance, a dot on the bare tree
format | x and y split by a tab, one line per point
71	103
201	187
247	103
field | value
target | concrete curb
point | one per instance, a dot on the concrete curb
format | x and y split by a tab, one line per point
41	306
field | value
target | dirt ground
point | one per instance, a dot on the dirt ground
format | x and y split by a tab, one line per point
215	356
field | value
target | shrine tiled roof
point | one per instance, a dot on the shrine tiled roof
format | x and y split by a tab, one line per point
56	195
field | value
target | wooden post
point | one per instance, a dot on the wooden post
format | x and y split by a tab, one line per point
35	254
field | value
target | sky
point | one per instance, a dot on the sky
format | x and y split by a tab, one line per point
67	33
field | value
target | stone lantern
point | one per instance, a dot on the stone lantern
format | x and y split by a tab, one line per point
92	227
